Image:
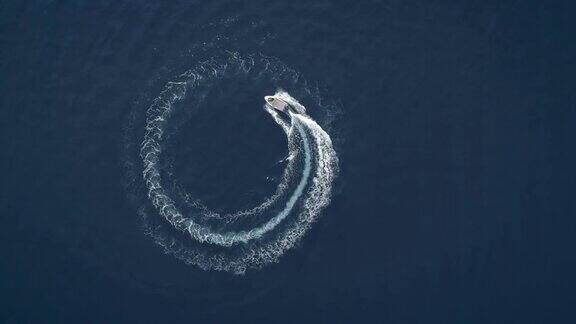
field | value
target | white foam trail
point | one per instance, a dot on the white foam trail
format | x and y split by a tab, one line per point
310	149
288	98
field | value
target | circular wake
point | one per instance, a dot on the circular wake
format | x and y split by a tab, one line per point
247	238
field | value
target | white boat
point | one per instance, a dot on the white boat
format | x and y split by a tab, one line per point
279	104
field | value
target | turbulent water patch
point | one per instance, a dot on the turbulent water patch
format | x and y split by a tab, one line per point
258	235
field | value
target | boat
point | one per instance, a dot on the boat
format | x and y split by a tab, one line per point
279	104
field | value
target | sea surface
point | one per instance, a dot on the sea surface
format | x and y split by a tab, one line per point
451	122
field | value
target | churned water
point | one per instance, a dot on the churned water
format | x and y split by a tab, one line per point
423	173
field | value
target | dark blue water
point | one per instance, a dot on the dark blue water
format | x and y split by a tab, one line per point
453	122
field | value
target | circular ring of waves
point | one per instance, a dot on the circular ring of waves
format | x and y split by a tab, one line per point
260	235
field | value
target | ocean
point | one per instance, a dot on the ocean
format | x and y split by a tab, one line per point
429	179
